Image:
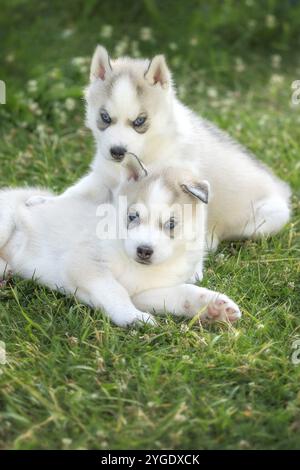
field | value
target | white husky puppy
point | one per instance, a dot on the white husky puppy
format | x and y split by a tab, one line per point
128	277
131	106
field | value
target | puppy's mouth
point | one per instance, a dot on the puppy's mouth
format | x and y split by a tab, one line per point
118	159
143	261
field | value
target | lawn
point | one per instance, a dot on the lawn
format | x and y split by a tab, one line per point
72	379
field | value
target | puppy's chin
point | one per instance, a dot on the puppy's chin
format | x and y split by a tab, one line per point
152	262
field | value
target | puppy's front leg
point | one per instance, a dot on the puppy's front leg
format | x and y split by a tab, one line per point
188	300
106	293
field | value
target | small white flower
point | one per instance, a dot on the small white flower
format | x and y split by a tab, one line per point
239	65
41	130
133	332
220	258
244	444
54	73
34	107
276	79
180	417
212	92
106	31
70	104
173	46
10	58
78	61
67	33
66	442
146	33
276	61
122	386
32	86
184	328
194	41
270	21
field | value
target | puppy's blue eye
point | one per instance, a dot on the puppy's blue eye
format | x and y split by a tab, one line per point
170	224
139	121
133	217
105	117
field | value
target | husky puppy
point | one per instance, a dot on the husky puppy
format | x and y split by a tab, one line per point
131	106
64	246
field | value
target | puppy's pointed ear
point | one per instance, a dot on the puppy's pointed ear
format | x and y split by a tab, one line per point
158	72
200	190
134	167
100	66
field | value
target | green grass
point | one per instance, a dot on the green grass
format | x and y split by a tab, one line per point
72	379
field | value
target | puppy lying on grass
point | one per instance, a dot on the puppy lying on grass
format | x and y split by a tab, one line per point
129	257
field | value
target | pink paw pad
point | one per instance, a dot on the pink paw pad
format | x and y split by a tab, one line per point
222	309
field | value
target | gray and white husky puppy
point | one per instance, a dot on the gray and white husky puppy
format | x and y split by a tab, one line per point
131	106
63	246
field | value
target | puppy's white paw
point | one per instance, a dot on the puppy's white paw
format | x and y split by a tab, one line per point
145	318
134	319
37	200
221	308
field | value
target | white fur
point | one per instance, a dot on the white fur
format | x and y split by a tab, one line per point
57	245
248	200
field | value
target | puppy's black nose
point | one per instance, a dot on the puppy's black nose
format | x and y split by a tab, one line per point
144	252
118	152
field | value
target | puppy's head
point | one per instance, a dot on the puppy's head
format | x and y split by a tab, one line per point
164	213
126	102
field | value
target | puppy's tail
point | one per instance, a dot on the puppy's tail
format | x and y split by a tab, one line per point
12	202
